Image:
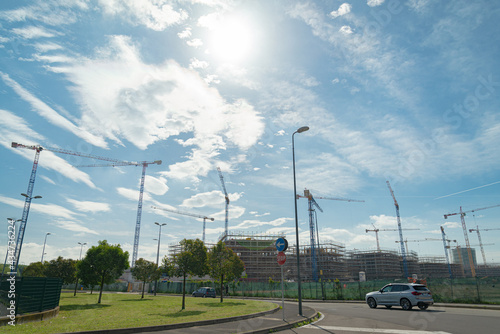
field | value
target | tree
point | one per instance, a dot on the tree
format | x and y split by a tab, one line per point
64	269
224	264
87	275
107	261
192	260
146	271
34	269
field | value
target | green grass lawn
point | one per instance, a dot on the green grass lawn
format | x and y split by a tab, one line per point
82	312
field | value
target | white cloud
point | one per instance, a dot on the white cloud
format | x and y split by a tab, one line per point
186	33
47	46
154	185
195	63
142	103
346	30
374	3
344	9
452	225
74	227
196	43
132	194
50	114
88	206
212	199
251	223
156	15
33	32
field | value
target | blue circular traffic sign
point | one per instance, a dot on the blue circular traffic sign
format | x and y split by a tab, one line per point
281	244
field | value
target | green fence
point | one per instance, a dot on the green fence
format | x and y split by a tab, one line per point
464	290
32	294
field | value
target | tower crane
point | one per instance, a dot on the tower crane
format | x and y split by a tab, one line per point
227	202
376	230
311	204
464	227
405	264
187	214
38	149
477	229
443	235
144	165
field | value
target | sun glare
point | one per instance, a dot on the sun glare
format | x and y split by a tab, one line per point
232	40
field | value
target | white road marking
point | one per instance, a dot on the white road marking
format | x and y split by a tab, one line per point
373	330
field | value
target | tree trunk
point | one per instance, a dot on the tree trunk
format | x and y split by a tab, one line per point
102	286
143	285
221	288
183	292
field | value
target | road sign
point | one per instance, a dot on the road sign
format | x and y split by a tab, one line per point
281	244
281	258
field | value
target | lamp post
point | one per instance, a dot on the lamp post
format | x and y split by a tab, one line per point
43	251
158	252
10	221
300	130
76	283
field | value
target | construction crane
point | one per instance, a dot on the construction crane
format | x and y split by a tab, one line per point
311	204
376	230
38	149
144	165
405	264
227	202
187	214
477	229
443	235
464	227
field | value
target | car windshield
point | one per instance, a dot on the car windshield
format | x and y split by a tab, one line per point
420	288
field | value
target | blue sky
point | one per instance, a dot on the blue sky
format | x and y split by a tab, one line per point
405	91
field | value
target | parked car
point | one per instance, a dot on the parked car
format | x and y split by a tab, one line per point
204	292
400	294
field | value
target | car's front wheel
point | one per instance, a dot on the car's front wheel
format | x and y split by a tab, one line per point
405	304
371	302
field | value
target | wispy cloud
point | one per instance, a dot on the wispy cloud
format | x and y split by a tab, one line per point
50	114
88	206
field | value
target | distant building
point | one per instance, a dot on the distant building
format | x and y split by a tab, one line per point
460	255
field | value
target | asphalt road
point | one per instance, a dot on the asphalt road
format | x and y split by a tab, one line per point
349	318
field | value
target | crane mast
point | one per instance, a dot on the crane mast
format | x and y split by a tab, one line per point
376	230
144	164
227	202
187	214
477	229
405	264
443	235
311	204
466	237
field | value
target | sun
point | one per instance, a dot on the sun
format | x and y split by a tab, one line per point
232	39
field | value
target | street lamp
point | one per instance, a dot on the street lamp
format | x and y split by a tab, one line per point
43	251
24	220
158	252
81	247
300	130
10	221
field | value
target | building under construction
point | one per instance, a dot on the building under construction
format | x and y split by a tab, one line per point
258	252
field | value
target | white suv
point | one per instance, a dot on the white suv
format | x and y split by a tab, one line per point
400	294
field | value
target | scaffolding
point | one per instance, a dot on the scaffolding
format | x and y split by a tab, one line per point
380	264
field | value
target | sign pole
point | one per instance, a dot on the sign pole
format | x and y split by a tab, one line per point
282	294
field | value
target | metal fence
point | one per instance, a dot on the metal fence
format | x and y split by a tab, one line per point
30	294
464	290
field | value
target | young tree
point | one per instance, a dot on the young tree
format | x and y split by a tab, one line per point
107	261
64	269
87	275
192	260
146	271
224	264
34	269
